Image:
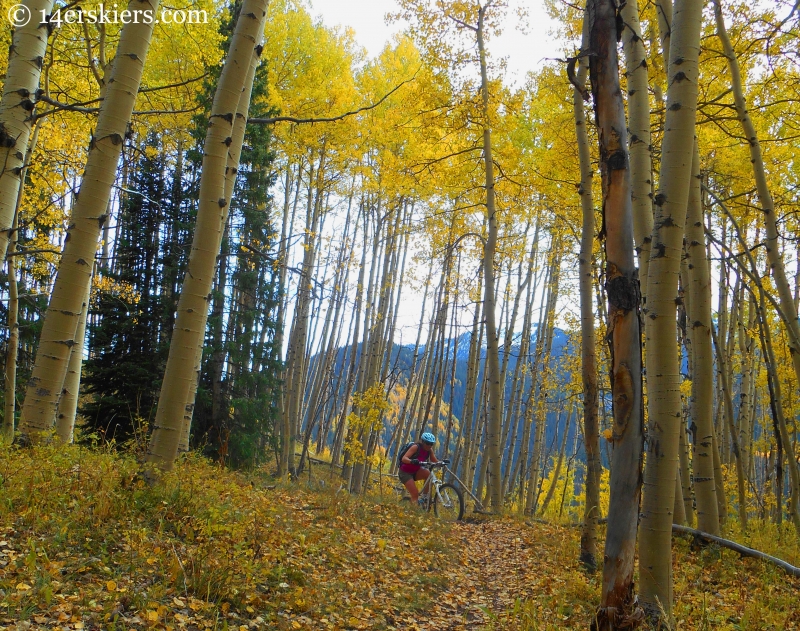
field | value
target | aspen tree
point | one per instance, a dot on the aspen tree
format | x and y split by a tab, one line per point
534	488
469	437
684	506
618	606
193	304
727	402
782	433
25	61
12	351
10	372
699	317
520	377
68	404
338	441
591	430
494	385
231	171
746	392
296	357
88	216
641	162
537	367
661	349
559	462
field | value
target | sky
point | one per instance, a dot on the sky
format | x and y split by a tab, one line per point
524	50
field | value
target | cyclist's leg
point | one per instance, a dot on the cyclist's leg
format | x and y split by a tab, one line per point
424	474
411	486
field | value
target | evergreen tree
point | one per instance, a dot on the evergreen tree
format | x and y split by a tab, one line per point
127	345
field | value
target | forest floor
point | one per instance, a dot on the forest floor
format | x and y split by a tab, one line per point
85	544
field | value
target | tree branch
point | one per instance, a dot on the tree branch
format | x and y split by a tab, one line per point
332	119
737	547
79	107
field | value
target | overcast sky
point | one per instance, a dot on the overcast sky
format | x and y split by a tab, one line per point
524	51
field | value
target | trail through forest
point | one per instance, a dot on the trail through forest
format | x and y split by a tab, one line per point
507	564
86	545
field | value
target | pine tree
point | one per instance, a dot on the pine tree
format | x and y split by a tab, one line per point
127	350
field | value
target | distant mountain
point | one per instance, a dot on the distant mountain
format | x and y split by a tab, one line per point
402	357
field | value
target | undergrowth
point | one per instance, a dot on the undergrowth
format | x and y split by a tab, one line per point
85	543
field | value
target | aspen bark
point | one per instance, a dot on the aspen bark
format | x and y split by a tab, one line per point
641	161
495	417
12	352
193	304
25	60
7	432
687	507
231	170
68	404
88	216
618	606
661	348
699	317
591	430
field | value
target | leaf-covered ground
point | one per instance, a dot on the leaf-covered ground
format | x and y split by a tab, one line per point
85	545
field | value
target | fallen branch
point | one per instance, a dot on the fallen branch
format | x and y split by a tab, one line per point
737	547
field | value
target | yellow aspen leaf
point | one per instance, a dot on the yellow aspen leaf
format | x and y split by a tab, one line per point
178	602
608	434
23	587
152	616
111	586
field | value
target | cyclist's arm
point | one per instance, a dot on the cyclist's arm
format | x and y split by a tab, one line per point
410	454
433	457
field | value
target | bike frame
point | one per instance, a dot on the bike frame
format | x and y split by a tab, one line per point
434	481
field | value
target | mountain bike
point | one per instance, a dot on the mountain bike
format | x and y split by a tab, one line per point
446	500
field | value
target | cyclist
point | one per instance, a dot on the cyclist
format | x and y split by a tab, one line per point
410	470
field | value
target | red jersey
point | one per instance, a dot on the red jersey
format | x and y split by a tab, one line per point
422	455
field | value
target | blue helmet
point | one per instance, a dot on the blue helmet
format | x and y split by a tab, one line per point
427	437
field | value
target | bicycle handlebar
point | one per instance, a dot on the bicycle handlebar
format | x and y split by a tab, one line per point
434	465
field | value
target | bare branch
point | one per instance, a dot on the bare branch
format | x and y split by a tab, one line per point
331	119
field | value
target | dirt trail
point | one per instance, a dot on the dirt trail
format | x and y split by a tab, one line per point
503	563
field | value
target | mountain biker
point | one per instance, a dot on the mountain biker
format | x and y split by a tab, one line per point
410	470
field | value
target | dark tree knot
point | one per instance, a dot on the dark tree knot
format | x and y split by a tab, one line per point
617	160
623	292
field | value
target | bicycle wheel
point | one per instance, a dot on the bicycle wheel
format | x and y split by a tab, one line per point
448	503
